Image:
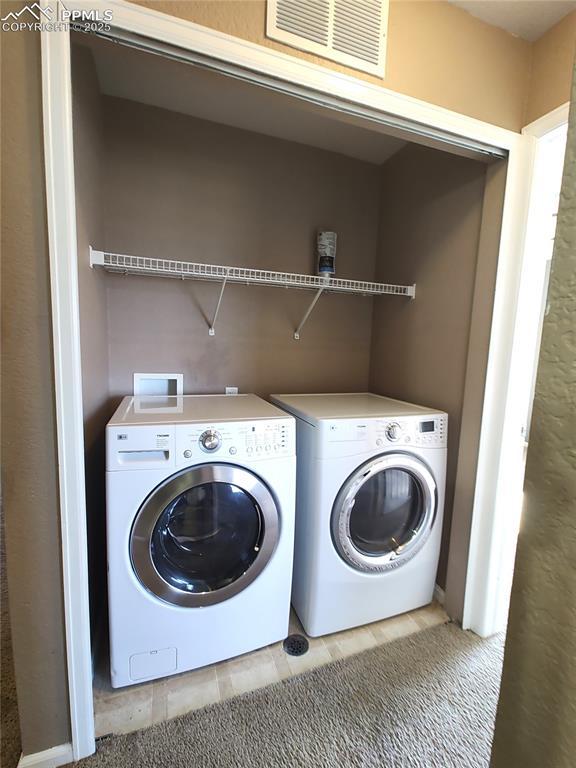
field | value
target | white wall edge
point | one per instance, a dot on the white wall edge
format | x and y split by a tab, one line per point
482	610
62	245
439	594
49	758
548	122
496	430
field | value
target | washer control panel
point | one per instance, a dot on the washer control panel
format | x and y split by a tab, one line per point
228	441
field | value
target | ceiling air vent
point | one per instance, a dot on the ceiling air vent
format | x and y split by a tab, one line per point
351	32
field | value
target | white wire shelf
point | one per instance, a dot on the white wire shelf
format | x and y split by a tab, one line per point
141	265
187	270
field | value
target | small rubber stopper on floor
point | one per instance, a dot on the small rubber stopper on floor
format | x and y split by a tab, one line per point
295	645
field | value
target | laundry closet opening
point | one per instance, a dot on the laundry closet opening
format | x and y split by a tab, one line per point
175	161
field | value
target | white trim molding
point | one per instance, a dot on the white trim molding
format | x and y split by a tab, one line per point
48	758
548	122
61	212
483	609
491	454
297	77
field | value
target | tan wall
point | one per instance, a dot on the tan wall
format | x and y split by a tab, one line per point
88	130
551	69
473	395
183	188
431	210
537	708
436	52
87	122
490	86
29	469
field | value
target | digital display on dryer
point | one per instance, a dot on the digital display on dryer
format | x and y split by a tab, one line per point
426	426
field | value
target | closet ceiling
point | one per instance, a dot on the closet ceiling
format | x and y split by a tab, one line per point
150	79
529	19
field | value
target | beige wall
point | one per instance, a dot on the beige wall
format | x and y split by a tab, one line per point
431	209
436	52
551	69
536	718
178	187
29	469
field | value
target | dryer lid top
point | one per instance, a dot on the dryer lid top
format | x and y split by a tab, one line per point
356	405
176	409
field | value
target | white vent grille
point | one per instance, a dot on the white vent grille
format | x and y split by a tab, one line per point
307	18
351	32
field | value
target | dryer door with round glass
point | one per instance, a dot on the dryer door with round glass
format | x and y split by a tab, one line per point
204	535
384	512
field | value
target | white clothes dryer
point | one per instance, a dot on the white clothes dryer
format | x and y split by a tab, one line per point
370	496
200	531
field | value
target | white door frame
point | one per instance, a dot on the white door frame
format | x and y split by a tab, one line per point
294	73
484	611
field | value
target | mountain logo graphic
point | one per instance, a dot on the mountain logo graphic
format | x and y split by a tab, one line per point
34	10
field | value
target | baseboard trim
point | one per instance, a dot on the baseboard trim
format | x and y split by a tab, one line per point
48	758
439	594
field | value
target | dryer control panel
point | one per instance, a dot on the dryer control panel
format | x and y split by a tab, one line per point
427	432
340	437
234	440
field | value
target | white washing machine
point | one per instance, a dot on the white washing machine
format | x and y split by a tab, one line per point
369	507
200	531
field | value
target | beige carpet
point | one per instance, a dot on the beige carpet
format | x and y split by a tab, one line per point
423	701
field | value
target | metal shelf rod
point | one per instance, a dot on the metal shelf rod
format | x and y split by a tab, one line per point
211	330
307	314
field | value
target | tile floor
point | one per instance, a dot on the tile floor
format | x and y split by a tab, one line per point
139	706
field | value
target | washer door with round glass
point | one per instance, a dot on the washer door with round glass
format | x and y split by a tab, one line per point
384	512
204	535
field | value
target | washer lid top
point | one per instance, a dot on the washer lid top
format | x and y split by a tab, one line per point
188	409
355	405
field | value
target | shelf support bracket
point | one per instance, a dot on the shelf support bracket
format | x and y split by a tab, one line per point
211	330
319	293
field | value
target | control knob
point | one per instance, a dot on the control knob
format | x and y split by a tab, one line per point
393	431
210	440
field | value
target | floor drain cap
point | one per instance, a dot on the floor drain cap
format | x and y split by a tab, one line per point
295	645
